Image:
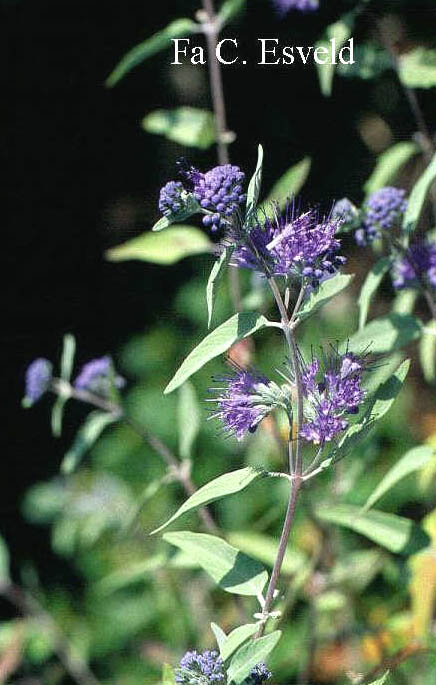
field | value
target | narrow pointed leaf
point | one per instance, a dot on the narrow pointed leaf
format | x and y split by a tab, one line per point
4	563
395	533
289	184
219	341
87	435
216	273
417	68
427	352
264	548
249	655
227	484
167	247
255	184
324	293
381	681
389	164
67	362
340	31
233	571
418	196
414	460
180	28
188	419
229	9
370	286
188	126
219	633
236	638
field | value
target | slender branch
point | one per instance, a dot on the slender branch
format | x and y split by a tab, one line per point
67	654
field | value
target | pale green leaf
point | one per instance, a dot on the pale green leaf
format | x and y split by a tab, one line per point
381	681
233	571
404	301
324	293
249	655
264	548
395	533
87	435
386	334
288	185
370	286
427	352
227	484
219	633
414	460
389	164
214	279
236	638
219	341
188	419
168	676
418	196
188	126
417	68
229	9
340	32
255	184
180	28
167	247
4	564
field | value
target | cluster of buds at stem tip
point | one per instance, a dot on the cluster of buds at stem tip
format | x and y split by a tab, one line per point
207	668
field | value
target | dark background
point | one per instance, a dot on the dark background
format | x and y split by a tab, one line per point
80	175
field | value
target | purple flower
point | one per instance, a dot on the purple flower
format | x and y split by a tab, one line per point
284	6
38	379
382	211
419	263
170	198
287	244
344	211
260	674
97	376
246	398
200	669
331	391
220	191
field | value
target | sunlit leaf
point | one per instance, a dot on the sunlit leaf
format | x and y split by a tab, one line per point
219	633
167	247
188	419
216	274
386	334
324	293
233	571
236	638
417	68
339	32
180	28
168	676
427	352
219	341
389	164
249	655
223	486
264	548
414	460
418	196
372	281
422	584
381	681
187	126
396	533
87	435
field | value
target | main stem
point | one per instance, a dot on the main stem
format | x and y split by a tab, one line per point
296	471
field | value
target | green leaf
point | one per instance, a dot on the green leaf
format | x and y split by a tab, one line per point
167	247
418	196
370	286
219	633
227	484
129	574
233	571
370	60
264	548
325	292
340	32
414	460
221	339
381	681
229	9
249	655
254	185
396	533
236	638
168	676
4	564
389	164
417	68
215	276
427	352
289	184
87	435
404	301
386	334
187	126
188	419
67	362
180	28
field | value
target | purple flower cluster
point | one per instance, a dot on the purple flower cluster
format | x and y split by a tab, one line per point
242	404
418	264
383	209
220	191
344	211
97	375
289	244
200	669
284	6
170	198
38	379
260	674
330	393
